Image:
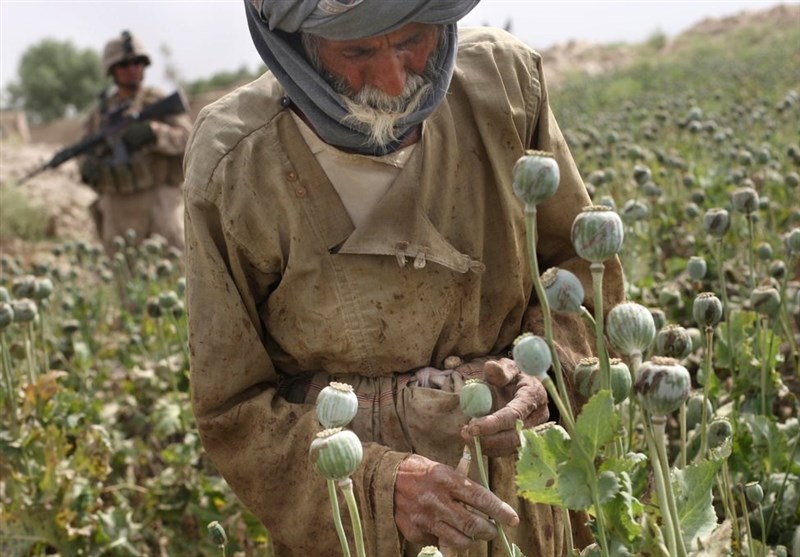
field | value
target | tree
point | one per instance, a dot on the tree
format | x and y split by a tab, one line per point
54	77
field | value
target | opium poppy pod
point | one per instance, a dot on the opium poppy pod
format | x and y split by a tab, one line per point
716	222
6	315
662	385
336	453
564	291
673	341
475	398
630	328
597	233
336	405
535	177
532	355
707	309
766	300
25	310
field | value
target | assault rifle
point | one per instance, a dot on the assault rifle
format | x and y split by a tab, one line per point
168	106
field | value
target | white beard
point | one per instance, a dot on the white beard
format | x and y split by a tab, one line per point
379	112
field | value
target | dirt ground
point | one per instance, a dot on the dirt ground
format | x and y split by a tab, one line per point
59	191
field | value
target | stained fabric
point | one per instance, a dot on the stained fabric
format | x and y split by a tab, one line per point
275	26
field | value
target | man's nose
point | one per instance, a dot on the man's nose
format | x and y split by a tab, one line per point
389	73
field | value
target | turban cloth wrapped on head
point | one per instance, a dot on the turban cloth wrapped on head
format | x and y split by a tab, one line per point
275	27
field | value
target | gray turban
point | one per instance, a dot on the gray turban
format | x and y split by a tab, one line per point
275	27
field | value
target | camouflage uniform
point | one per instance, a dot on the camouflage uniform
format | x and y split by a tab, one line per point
140	191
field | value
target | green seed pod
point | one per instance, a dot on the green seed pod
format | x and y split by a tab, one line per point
167	300
621	380
764	251
70	327
782	551
707	309
164	268
178	310
745	200
793	241
634	211
792	180
532	355
336	453
154	308
719	431
563	290
642	174
698	338
6	314
673	341
694	410
25	310
217	533
765	300
754	492
696	268
630	327
42	288
597	233
475	398
777	269
24	286
691	210
608	201
669	296
662	385
535	177
337	405
716	222
4	295
180	286
585	376
429	551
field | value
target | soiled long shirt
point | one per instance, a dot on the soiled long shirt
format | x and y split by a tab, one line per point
286	293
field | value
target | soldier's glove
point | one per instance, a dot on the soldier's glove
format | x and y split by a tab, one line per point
90	171
137	135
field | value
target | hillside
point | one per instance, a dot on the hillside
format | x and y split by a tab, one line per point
66	201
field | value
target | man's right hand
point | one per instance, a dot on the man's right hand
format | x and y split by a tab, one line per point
435	505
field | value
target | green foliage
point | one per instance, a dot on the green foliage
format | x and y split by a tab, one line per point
54	76
19	218
99	454
222	80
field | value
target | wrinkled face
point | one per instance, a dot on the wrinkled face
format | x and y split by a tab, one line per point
128	74
383	62
380	79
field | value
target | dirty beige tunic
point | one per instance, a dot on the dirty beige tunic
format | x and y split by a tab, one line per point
283	292
154	204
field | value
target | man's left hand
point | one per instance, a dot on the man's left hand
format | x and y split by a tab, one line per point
519	397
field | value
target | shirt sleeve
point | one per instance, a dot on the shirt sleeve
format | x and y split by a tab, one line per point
258	441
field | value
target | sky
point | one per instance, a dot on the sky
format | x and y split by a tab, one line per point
204	37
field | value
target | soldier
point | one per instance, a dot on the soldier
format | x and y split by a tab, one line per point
138	178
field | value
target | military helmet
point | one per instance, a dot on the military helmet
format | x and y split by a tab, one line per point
122	49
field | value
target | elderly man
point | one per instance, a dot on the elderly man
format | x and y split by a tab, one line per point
350	217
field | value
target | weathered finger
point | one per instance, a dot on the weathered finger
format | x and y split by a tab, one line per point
500	373
503	443
449	536
486	502
505	418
